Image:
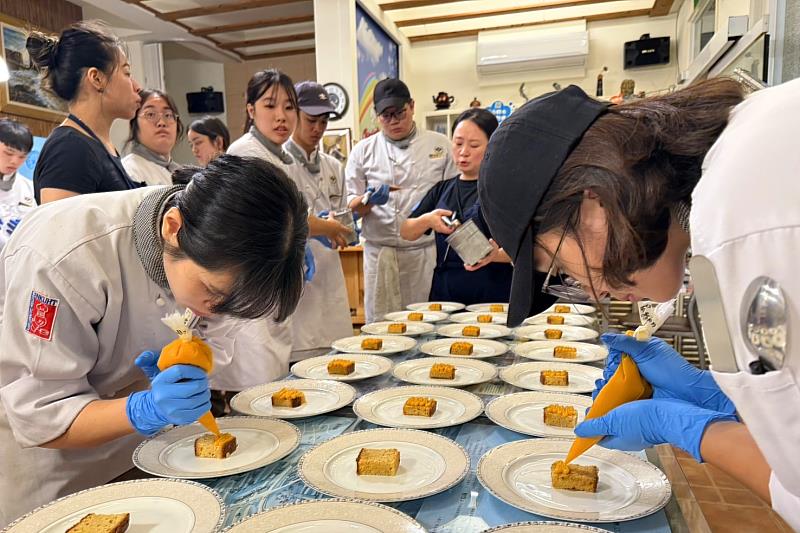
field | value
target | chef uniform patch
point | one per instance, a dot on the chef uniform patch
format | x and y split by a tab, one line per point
41	316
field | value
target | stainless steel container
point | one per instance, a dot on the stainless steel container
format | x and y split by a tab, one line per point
469	243
345	217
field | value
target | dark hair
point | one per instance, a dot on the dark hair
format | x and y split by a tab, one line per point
642	159
212	128
145	95
65	59
482	118
16	135
261	82
226	227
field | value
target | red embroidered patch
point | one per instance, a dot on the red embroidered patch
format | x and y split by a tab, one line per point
41	316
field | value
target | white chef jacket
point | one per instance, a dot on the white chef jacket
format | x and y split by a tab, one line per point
323	314
77	306
15	202
745	219
143	171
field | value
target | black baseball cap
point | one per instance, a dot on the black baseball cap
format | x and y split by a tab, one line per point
313	99
521	160
390	92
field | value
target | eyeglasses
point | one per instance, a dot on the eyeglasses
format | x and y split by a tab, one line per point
568	289
388	116
153	116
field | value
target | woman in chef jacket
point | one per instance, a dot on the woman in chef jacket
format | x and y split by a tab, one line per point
154	131
615	196
208	137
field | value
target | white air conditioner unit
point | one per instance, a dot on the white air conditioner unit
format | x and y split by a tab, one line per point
530	51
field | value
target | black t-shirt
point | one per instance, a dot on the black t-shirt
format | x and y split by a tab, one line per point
452	194
74	162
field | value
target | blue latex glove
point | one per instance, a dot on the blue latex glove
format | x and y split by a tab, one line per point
671	376
324	240
148	362
310	267
178	395
638	425
379	196
12	225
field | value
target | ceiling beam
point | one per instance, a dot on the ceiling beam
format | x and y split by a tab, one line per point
224	8
256	24
474	32
282	53
268	40
661	8
408	4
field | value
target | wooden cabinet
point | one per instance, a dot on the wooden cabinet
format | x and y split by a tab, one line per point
353	265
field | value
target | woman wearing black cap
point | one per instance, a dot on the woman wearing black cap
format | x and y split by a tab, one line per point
606	197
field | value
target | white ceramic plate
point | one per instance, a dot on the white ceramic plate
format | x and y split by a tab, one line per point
481	308
526	376
427	316
385	407
154	505
472	318
568	333
523	412
488	331
329	516
260	441
581	309
322	396
429	464
412	328
571	319
367	366
447	307
519	474
543	527
468	371
481	348
543	351
391	344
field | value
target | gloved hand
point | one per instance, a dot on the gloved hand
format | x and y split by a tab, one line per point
321	238
178	395
12	225
671	376
379	196
148	362
638	425
310	267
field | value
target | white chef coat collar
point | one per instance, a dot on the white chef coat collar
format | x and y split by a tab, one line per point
275	149
7	183
147	232
146	153
405	142
309	163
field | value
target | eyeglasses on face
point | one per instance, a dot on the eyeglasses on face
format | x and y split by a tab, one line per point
567	288
388	116
154	116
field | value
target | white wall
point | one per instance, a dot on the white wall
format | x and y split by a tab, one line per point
120	128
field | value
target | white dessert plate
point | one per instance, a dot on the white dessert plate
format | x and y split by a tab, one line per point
391	344
581	378
468	371
385	407
322	396
523	412
481	348
472	318
366	366
447	307
488	331
568	333
543	351
413	329
427	316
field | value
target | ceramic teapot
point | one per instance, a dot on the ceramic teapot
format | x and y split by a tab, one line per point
442	100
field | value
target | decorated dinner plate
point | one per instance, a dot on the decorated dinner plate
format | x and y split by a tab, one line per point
543	351
429	464
259	442
519	474
391	344
523	412
154	505
481	348
581	309
488	331
472	318
328	516
468	371
427	316
570	319
482	308
580	378
568	333
385	407
543	527
366	366
321	396
447	307
412	328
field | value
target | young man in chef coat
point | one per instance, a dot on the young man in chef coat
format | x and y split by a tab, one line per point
16	192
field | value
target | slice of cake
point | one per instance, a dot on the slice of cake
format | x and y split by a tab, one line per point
435	307
563	309
443	371
555	378
573	477
377	462
288	398
461	348
371	344
565	352
496	308
485	319
101	523
416	317
555	320
397	327
471	331
342	367
553	333
213	447
560	416
419	406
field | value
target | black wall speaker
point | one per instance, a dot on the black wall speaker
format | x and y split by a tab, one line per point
207	101
647	51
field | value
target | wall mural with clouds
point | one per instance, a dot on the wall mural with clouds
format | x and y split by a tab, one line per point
378	58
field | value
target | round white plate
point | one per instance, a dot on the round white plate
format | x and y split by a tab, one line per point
570	319
468	371
526	376
154	505
543	351
519	474
427	316
259	442
322	396
481	348
429	464
482	308
472	318
447	307
581	309
367	366
412	328
543	527
391	344
523	412
488	331
328	516
385	407
568	333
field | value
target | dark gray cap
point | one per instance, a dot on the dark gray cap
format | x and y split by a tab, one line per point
313	99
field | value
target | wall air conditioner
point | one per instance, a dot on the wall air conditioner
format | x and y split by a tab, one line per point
526	51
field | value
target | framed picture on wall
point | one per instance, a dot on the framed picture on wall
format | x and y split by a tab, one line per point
337	142
23	94
378	58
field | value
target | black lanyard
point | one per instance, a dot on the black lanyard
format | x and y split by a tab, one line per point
114	160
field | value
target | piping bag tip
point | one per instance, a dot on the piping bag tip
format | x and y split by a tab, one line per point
210	423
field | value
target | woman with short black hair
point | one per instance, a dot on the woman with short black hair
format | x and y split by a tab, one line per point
209	137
